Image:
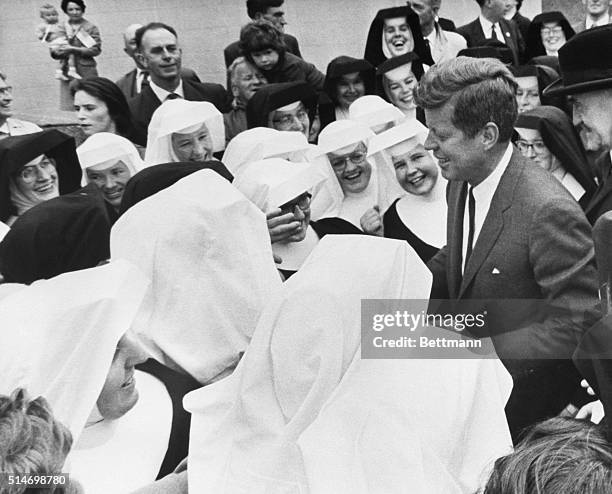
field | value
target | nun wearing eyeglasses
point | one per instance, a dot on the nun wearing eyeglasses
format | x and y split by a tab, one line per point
546	136
359	189
81	358
182	130
304	412
209	282
109	161
375	112
35	168
277	185
418	217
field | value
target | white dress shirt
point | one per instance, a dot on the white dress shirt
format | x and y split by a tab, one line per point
162	94
139	78
14	127
487	29
483	195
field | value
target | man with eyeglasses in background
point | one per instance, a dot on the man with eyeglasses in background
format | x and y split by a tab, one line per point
11	126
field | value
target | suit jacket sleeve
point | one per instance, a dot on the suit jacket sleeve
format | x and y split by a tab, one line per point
437	266
314	76
562	258
293	46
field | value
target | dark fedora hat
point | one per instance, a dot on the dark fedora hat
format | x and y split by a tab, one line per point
585	62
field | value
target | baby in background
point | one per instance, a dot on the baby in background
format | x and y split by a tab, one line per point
49	32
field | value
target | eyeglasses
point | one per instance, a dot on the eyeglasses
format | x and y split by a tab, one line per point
547	31
536	146
29	174
356	157
302	202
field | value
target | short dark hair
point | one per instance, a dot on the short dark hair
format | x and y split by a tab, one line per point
32	441
151	26
108	92
481	89
255	7
258	36
65	3
557	455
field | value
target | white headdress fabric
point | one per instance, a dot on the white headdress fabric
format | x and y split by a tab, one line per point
266	428
262	143
207	250
104	147
176	116
272	182
60	336
373	111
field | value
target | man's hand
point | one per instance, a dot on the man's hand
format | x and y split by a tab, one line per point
593	411
281	225
371	222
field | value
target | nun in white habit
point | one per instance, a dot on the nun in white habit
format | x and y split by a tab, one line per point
359	189
207	250
182	130
419	216
375	112
74	351
261	143
274	184
303	413
109	161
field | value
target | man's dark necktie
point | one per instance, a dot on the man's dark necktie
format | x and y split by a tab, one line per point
145	81
493	33
472	218
172	96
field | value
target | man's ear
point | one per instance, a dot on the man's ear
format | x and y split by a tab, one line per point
258	16
234	90
489	135
141	59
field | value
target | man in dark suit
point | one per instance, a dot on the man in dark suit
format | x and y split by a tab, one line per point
519	247
270	10
445	24
160	54
131	83
597	13
590	92
513	14
491	24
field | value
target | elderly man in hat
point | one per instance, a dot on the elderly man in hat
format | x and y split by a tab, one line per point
586	77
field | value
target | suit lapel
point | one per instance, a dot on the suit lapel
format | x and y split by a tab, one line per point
494	222
510	41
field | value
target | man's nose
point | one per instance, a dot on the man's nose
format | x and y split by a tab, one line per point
109	182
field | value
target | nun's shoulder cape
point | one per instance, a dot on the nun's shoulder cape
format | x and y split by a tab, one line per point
303	412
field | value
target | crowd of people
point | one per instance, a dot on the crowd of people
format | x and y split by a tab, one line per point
181	292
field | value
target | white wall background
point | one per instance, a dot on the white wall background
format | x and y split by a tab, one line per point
325	29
